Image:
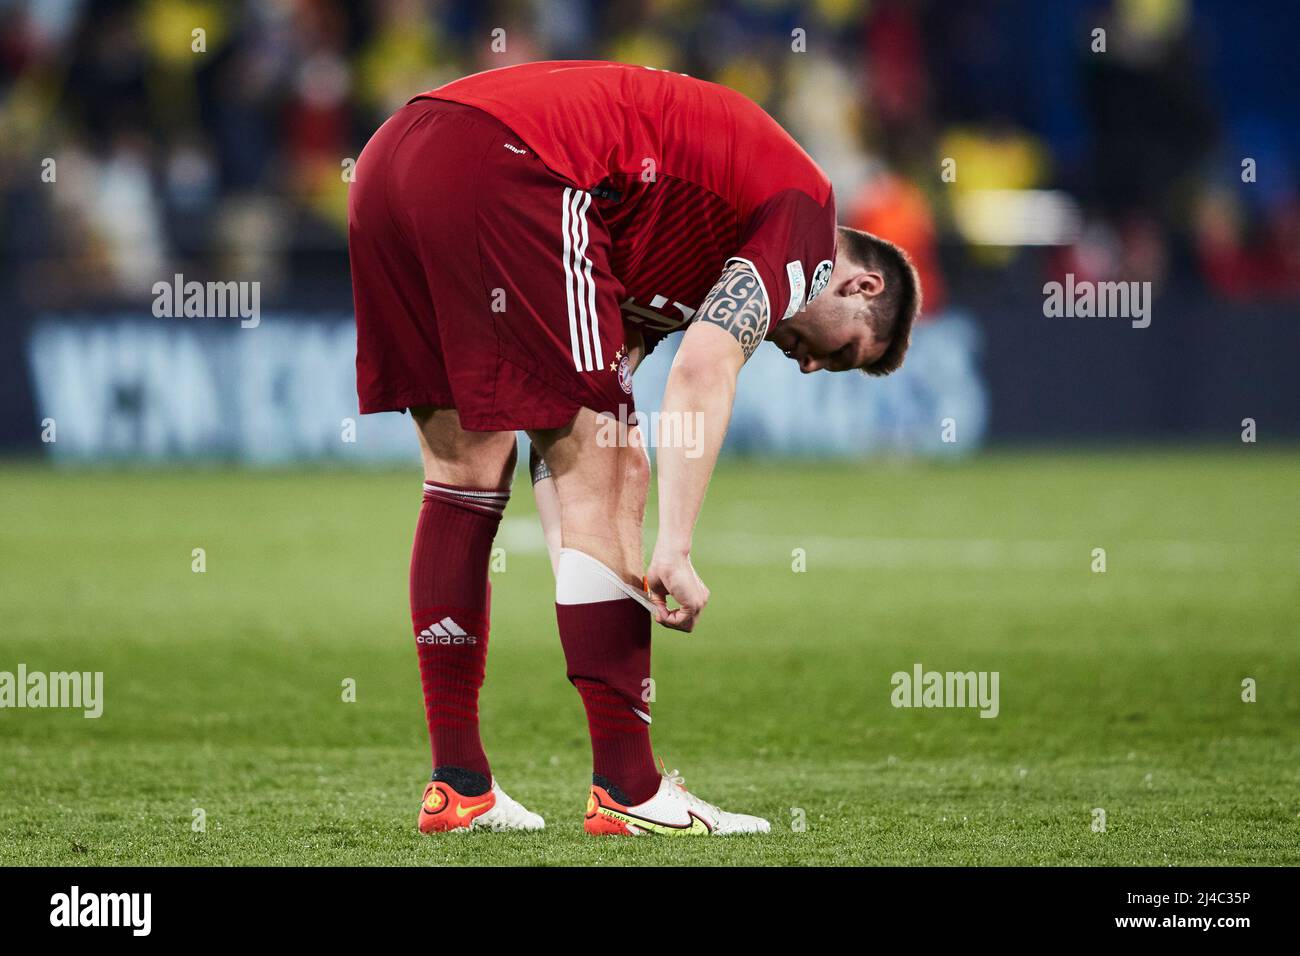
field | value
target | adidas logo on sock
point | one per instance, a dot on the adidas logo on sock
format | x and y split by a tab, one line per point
445	632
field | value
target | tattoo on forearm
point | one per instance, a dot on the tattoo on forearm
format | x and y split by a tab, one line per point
738	304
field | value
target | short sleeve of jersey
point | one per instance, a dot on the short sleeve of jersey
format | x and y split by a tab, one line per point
790	242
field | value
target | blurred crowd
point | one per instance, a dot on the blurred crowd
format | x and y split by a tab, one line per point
143	138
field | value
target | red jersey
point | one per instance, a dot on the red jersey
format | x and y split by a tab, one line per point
686	175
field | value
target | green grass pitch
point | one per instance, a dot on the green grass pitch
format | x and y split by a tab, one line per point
1120	691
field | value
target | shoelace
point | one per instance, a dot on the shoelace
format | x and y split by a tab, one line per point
674	777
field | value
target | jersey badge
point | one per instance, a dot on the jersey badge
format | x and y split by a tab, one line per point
794	271
622	365
821	278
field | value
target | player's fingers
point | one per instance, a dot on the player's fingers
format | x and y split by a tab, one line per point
657	594
654	583
661	611
690	611
695	599
679	619
697	596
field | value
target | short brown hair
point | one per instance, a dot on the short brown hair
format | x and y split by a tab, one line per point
892	313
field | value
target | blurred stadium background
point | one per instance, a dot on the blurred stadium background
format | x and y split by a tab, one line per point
127	158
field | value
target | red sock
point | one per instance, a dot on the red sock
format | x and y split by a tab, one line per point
606	639
450	598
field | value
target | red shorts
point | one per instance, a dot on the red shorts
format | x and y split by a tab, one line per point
481	279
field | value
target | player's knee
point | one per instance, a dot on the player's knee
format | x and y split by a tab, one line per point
489	461
472	459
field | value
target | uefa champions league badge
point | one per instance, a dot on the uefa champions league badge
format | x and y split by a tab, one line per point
821	278
623	365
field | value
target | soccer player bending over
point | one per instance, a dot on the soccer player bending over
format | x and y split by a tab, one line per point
519	239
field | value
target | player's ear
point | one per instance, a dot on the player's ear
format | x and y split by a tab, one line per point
868	282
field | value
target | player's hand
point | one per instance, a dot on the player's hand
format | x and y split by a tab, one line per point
675	577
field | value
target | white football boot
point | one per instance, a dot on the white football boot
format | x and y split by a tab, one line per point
445	810
672	811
